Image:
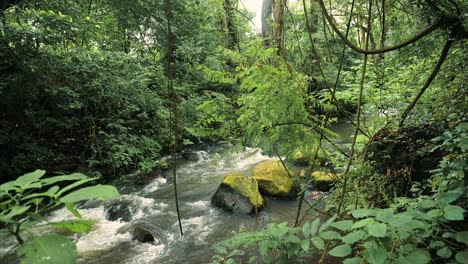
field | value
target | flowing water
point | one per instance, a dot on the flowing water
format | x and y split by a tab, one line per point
153	206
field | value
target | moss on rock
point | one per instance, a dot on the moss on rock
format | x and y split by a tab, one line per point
323	180
238	193
246	186
274	180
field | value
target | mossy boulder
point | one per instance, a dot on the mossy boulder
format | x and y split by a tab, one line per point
274	180
323	181
238	193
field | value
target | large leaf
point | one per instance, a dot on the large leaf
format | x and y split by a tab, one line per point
318	243
49	193
377	229
48	249
330	235
375	255
72	186
344	225
77	226
69	177
340	251
453	212
360	213
87	193
417	257
314	227
29	180
327	223
462	257
353	237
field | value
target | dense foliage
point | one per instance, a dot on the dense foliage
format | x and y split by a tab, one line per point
86	86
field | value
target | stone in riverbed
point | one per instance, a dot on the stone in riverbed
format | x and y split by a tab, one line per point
238	193
323	181
274	180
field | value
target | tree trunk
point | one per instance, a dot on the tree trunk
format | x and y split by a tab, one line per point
278	25
232	40
267	29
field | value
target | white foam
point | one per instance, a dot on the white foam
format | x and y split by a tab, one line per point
154	185
146	253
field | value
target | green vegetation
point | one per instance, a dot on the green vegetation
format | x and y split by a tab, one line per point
246	186
107	88
25	201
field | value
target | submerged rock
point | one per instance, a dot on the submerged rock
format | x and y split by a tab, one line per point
144	232
323	181
238	193
274	180
142	235
120	211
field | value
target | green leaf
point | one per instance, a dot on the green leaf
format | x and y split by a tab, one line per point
330	235
362	223
318	243
15	211
48	249
77	226
385	215
419	256
462	237
356	260
377	229
434	213
87	193
444	252
27	179
71	208
49	193
69	177
344	225
353	237
462	257
400	220
360	213
306	229
293	239
305	245
375	255
73	185
314	227
453	212
340	251
327	223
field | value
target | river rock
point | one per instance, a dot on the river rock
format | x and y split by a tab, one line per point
144	232
274	180
142	235
120	211
323	181
238	193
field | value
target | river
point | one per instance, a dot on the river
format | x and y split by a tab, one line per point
153	205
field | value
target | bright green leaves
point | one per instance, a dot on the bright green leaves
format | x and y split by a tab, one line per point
377	229
76	226
22	196
453	212
344	225
353	237
48	249
340	251
375	255
87	193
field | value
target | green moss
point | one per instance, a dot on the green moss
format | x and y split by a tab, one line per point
273	178
323	180
247	186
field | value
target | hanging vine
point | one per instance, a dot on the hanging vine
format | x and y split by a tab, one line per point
173	110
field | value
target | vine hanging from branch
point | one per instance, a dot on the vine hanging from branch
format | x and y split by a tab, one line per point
173	110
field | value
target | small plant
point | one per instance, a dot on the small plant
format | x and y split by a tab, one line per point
25	201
